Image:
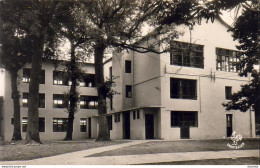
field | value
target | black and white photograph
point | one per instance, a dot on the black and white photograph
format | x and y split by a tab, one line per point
132	83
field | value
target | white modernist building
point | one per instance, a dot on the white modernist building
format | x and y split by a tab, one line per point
179	94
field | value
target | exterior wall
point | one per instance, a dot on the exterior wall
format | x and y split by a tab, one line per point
210	87
48	112
1	118
117	128
151	83
137	126
146	79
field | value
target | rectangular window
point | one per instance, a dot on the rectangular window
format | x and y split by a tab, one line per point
183	118
41	103
60	124
183	88
128	89
83	125
228	92
27	73
117	117
60	78
41	124
127	66
12	121
110	73
87	80
134	116
59	101
109	120
138	114
88	102
186	54
227	59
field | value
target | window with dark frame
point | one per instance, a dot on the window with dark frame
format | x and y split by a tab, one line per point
83	125
117	117
228	92
187	54
41	103
184	118
27	73
138	114
59	78
87	80
134	115
60	124
128	89
88	102
41	124
111	97
227	59
127	66
183	88
110	124
59	101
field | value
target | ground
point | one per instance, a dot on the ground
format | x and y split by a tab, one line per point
231	161
20	151
179	146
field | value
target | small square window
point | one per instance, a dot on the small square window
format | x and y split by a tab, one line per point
127	66
128	91
228	92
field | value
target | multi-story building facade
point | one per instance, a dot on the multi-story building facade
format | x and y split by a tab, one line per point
179	94
168	96
52	111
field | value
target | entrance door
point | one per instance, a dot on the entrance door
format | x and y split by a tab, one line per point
229	124
126	125
89	127
185	132
149	126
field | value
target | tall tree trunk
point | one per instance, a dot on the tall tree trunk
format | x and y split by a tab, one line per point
73	95
16	104
32	133
103	133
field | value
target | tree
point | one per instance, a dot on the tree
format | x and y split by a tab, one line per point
72	29
14	55
119	23
34	22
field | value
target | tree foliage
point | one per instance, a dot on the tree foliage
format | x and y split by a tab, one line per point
246	31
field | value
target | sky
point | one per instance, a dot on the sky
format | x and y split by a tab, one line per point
228	17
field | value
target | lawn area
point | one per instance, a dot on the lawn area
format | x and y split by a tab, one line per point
179	146
20	151
236	161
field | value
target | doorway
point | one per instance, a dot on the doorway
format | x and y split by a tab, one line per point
185	132
149	126
89	127
229	118
126	125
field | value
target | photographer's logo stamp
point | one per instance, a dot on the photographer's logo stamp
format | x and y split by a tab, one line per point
236	138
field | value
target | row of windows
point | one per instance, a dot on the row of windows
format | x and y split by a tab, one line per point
184	119
191	55
60	78
60	101
59	124
187	89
